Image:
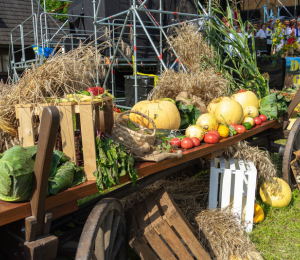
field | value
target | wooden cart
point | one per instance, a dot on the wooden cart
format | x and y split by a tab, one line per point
25	227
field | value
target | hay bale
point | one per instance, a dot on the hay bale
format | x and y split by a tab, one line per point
223	237
266	170
201	77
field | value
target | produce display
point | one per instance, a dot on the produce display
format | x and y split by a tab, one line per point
16	173
226	117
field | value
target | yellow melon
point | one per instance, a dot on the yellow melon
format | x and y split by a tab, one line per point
213	104
276	194
164	114
246	99
229	112
208	122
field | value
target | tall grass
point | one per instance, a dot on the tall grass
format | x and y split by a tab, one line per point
243	62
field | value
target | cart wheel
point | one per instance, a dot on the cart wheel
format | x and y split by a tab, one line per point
292	145
104	234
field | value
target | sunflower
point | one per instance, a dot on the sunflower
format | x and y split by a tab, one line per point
277	21
283	26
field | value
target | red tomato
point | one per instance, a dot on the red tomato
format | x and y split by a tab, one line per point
234	125
240	129
196	141
99	90
211	138
94	91
257	120
263	118
215	132
187	143
175	141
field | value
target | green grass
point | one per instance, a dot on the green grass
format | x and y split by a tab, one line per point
278	236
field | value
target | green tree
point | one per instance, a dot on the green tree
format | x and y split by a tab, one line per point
55	6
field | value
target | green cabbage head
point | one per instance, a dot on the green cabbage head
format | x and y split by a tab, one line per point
16	173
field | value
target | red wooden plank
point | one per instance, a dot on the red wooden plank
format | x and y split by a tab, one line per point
10	212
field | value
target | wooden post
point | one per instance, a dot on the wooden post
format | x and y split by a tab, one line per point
48	130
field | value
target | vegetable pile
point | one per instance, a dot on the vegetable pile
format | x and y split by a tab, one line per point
112	162
16	173
89	95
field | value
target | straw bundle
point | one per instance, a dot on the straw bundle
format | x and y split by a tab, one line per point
200	77
261	159
223	237
205	84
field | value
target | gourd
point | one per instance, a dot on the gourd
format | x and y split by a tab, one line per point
229	112
258	214
164	114
276	194
208	122
246	99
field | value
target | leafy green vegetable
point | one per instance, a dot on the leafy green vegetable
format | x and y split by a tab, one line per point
62	178
165	147
273	106
112	163
16	173
188	113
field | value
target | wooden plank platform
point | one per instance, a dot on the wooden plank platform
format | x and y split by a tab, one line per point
10	212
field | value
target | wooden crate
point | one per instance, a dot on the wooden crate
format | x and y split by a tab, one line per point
159	230
88	119
237	185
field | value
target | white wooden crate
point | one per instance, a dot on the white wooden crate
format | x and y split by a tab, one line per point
237	181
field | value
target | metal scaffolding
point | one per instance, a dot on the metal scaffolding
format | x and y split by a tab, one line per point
48	32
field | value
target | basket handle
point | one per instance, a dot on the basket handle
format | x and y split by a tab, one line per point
138	113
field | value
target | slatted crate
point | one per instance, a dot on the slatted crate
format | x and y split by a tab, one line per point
157	229
237	180
89	119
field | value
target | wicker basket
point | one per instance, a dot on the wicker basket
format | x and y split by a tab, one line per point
130	138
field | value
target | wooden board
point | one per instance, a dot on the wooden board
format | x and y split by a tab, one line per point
67	131
88	140
26	133
10	212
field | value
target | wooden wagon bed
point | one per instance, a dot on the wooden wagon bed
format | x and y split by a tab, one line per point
65	202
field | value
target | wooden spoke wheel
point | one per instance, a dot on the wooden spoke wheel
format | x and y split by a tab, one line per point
104	234
292	145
